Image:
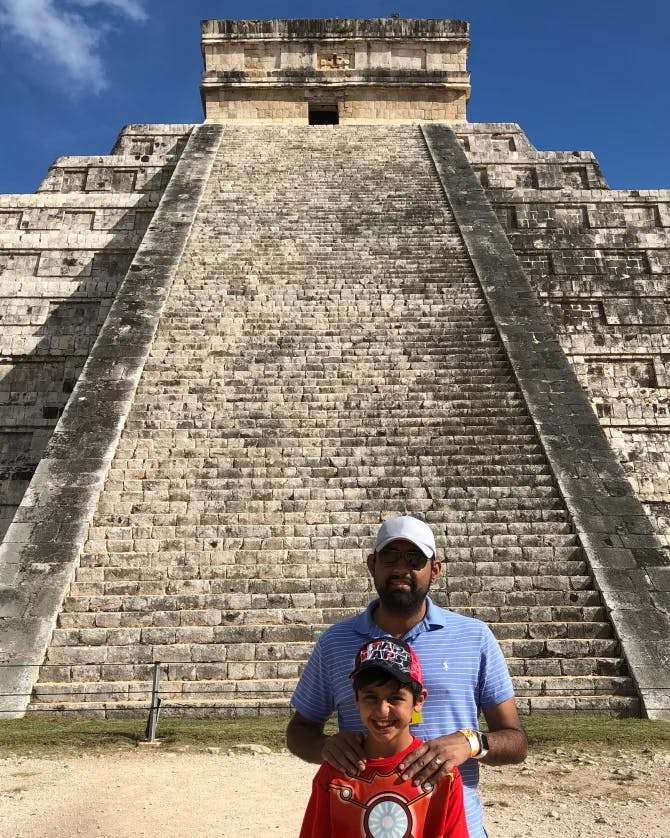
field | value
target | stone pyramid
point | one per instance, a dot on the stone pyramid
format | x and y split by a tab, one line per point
232	349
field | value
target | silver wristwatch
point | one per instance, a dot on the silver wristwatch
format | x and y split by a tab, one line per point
483	745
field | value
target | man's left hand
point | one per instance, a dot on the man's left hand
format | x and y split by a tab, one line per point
432	761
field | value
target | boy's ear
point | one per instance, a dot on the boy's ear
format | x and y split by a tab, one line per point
417	718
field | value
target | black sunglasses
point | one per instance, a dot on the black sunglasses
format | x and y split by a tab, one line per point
390	558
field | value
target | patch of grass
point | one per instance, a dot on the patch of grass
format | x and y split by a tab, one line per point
38	735
48	736
574	730
224	733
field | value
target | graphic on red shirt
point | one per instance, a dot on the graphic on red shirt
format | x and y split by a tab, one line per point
380	804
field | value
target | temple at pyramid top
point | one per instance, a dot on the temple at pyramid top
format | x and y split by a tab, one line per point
384	70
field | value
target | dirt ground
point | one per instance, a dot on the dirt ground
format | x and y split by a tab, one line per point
560	793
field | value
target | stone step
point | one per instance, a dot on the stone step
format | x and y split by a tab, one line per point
330	429
202	622
315	383
526	577
315	395
239	642
356	395
614	706
306	575
350	493
398	463
159	625
258	425
234	708
255	680
290	657
287	642
382	455
594	666
477	345
304	565
386	448
238	706
223	586
327	319
327	430
348	483
523	595
231	506
561	647
257	415
283	531
270	577
470	480
490	591
509	608
250	415
546	504
246	541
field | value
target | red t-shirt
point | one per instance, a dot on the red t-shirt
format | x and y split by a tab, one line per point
379	804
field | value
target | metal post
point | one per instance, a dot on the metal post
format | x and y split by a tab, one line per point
152	721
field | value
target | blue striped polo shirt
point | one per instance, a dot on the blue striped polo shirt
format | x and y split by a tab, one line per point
464	671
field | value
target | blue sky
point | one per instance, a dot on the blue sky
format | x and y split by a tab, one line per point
589	75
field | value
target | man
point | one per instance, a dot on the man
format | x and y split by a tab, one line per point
464	673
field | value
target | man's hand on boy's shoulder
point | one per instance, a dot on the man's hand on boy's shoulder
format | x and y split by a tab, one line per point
344	751
433	760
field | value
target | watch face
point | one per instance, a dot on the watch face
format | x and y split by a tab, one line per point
485	741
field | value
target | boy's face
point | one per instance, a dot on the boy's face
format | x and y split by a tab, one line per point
386	711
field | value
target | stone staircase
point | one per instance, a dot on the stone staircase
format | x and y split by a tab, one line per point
599	261
325	359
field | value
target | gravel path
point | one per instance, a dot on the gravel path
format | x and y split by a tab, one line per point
179	794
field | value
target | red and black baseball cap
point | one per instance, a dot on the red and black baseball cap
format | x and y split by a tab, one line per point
394	656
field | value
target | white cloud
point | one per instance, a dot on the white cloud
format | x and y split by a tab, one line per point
63	36
131	8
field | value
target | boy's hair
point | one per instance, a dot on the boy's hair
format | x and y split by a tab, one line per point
377	677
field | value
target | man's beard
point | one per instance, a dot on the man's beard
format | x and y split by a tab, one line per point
401	601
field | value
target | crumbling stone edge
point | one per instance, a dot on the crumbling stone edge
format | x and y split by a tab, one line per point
625	556
41	549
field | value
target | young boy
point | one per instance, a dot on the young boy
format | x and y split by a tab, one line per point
388	685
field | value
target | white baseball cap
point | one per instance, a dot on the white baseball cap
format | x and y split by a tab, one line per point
407	528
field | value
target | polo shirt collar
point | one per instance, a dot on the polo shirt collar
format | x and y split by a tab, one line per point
435	618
